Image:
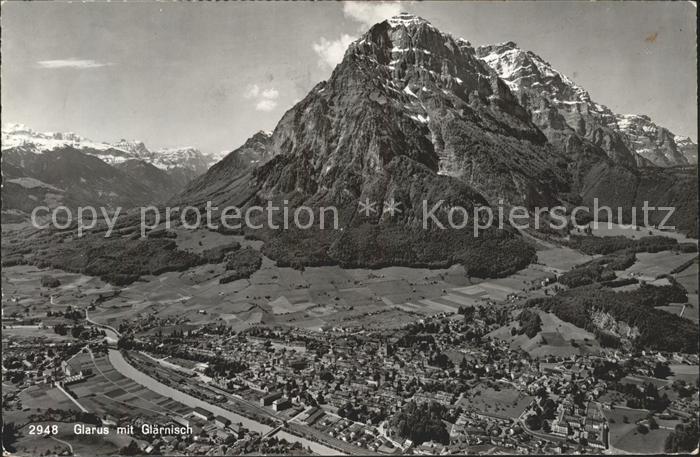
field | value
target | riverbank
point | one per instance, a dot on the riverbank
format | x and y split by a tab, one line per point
121	365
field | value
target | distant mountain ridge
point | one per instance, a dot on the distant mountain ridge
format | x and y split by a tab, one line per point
53	169
189	159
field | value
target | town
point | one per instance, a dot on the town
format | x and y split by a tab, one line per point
439	385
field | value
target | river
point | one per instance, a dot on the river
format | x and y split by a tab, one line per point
125	368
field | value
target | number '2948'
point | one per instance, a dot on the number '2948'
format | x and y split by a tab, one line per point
43	429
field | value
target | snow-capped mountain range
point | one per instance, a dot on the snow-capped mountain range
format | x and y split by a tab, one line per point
410	111
558	105
69	169
655	143
29	140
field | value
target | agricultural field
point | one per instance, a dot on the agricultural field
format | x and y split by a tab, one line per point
687	373
35	333
689	278
315	298
612	229
625	437
110	392
555	338
24	294
560	259
501	401
40	398
651	265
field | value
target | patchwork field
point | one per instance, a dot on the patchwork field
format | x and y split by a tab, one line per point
319	297
45	397
105	393
10	333
314	298
24	297
109	392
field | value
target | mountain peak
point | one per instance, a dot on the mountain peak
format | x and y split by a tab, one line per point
406	20
505	46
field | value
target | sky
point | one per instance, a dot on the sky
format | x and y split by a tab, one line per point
209	75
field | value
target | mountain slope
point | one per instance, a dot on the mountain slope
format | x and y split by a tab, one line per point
408	115
611	156
70	177
215	184
405	89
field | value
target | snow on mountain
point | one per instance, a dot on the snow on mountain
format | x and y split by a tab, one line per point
412	111
655	143
19	135
687	148
189	158
558	105
136	149
523	70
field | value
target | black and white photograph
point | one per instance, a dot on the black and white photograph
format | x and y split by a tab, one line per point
300	228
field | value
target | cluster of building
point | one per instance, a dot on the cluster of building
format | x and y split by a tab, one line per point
350	385
343	388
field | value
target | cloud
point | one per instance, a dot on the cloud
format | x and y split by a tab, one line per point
265	105
331	52
252	91
369	13
270	94
265	99
72	63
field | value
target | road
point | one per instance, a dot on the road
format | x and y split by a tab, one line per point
65	443
121	365
111	332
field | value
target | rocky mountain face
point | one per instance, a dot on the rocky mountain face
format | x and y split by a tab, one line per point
607	153
687	148
559	107
410	114
407	90
216	184
413	114
69	177
656	144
